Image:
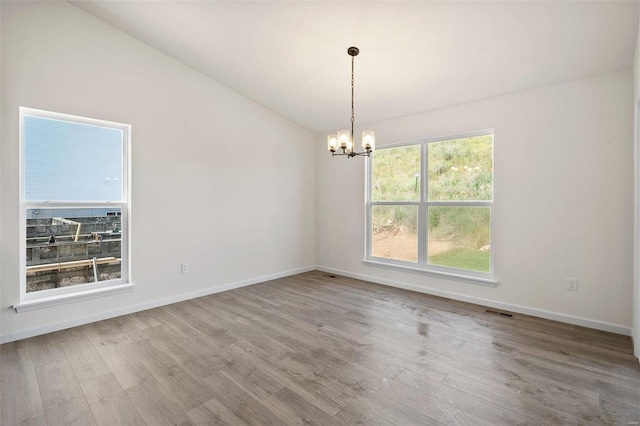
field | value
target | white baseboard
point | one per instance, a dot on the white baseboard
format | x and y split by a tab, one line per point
526	310
49	328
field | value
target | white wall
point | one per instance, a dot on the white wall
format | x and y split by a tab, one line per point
1	126
218	181
636	233
563	201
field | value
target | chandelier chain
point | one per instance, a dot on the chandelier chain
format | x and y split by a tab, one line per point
352	109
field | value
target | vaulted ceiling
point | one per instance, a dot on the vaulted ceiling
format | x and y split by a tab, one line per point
414	56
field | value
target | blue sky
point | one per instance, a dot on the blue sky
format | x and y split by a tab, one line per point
66	161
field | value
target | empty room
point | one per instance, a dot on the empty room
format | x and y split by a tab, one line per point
328	213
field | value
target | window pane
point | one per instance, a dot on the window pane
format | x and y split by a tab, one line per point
66	161
395	232
396	174
461	169
62	243
460	237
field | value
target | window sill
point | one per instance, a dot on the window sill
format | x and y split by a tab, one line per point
489	282
61	299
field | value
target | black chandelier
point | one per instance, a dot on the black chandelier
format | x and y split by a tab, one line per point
344	138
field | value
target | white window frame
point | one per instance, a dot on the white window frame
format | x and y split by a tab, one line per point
422	265
56	296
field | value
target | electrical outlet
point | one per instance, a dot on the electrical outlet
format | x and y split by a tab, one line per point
184	268
572	284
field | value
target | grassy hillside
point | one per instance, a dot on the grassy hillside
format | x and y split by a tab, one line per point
458	170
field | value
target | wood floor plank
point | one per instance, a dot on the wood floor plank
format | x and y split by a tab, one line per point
72	412
20	399
449	405
369	372
251	377
62	398
617	413
320	349
214	413
125	361
188	391
241	402
155	405
379	409
109	403
328	400
295	410
40	352
38	421
191	353
58	383
85	360
550	406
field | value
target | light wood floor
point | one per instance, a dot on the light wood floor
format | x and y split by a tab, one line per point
311	349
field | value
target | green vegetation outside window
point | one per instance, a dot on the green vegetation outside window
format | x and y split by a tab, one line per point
430	204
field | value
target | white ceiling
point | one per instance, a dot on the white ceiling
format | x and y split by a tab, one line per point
414	56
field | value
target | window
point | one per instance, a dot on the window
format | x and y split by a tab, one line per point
74	204
429	205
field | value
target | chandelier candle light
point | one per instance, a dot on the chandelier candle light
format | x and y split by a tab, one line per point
344	138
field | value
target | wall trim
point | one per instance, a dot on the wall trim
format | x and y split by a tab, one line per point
49	328
61	299
526	310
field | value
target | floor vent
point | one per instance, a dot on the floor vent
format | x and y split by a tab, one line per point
502	314
332	276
